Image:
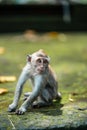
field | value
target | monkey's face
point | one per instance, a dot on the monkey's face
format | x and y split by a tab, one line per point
39	61
40	64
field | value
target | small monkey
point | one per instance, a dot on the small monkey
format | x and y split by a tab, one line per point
45	86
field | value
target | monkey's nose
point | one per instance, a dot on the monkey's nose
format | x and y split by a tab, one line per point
41	66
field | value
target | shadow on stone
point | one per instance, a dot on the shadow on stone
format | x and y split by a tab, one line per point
53	110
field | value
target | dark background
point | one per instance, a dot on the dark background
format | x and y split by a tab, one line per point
42	18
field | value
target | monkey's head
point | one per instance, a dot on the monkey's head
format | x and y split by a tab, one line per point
39	61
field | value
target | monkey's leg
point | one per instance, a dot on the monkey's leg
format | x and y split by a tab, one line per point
39	82
40	103
26	95
45	99
58	96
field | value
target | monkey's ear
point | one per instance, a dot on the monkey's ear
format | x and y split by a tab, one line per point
28	58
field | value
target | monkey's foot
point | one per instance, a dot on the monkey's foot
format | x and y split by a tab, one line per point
21	111
58	97
12	108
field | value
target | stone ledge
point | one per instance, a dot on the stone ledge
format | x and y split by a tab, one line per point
72	116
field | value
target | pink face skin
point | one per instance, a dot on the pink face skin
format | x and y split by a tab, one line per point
41	64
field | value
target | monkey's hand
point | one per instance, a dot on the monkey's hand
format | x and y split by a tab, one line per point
21	111
12	107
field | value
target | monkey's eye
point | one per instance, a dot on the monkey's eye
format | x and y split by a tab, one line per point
45	61
38	60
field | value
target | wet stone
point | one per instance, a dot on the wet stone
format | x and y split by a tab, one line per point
68	116
4	122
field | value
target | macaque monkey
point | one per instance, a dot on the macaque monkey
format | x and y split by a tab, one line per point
45	87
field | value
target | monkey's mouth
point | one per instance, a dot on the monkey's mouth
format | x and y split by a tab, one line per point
40	70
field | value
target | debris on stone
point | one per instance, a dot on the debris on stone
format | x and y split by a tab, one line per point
2	50
3	91
70	98
4	79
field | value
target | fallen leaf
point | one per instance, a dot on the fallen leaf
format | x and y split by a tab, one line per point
3	91
7	79
30	35
70	98
2	50
53	34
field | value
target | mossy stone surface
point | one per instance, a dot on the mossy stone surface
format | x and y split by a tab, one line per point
69	116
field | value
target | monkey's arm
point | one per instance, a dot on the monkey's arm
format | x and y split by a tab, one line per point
23	77
39	85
